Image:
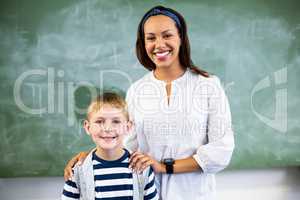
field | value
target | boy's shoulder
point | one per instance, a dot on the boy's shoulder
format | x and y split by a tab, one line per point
84	177
141	178
80	170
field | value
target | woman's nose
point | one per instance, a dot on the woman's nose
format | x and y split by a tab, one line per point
159	42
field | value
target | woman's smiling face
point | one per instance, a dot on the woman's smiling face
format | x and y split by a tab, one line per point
162	41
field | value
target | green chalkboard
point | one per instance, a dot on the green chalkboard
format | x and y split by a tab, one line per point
54	53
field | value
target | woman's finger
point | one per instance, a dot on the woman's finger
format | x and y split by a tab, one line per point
82	156
68	173
146	164
141	162
135	159
78	159
133	155
135	162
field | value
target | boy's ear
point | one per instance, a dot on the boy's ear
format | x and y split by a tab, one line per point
86	125
130	126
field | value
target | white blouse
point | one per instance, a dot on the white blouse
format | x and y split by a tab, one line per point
195	122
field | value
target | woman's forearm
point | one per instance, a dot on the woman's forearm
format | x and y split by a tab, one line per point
183	166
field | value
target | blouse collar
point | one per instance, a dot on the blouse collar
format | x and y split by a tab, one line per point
180	79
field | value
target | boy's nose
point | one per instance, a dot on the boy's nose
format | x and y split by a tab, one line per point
107	128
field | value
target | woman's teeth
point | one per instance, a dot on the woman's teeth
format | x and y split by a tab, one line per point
162	54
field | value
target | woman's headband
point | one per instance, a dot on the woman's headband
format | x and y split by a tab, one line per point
167	13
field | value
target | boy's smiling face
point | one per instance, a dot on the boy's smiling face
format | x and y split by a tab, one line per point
107	127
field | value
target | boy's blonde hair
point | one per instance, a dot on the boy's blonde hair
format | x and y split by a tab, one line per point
108	98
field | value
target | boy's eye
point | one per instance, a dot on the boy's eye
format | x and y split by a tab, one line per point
99	121
116	121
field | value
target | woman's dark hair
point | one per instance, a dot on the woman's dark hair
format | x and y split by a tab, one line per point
184	50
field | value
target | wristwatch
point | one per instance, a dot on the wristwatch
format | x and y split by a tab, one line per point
169	162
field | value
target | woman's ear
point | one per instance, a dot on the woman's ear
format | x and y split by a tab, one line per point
87	126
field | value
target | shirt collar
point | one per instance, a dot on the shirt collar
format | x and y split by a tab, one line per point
180	79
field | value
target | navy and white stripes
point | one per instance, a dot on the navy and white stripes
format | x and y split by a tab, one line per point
70	190
150	191
113	180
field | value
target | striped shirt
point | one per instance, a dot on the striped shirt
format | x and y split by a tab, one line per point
113	181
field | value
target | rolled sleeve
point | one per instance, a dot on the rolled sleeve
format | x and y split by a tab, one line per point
216	154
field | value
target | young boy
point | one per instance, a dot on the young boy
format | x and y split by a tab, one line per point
105	173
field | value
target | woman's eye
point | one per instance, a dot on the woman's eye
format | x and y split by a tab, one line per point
168	36
150	38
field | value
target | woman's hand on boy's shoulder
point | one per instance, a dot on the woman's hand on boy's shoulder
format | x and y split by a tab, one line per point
139	162
78	159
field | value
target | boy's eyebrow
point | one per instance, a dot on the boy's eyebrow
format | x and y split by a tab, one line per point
116	117
99	118
106	118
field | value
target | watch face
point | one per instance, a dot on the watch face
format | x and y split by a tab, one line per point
169	161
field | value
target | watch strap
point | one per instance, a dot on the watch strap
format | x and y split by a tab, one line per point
169	168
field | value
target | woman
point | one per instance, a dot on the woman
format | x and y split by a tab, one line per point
181	113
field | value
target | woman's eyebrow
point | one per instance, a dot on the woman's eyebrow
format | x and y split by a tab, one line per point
165	31
149	34
168	30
